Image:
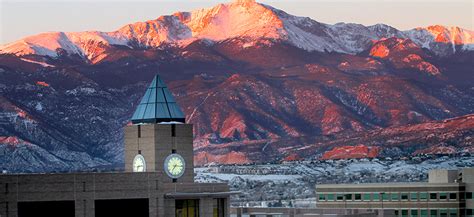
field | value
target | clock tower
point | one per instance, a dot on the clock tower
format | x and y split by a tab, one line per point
159	140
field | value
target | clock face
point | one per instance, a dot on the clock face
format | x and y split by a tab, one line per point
139	164
174	166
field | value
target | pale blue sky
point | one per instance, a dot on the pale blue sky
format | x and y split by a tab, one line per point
20	18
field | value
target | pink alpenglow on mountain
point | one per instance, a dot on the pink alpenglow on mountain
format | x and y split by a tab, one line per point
252	22
348	152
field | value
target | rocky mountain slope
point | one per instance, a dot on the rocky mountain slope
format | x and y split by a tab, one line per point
258	84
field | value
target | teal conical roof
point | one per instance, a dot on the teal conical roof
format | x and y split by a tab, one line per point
158	105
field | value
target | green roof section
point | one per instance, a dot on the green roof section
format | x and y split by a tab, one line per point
158	105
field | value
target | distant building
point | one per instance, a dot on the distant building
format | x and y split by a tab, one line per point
448	193
158	178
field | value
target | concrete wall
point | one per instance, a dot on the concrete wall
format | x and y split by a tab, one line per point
467	175
442	176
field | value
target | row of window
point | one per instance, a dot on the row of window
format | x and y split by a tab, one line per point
393	196
427	213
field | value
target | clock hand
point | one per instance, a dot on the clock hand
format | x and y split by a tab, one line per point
172	170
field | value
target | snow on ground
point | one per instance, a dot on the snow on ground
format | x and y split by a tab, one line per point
37	62
282	183
275	178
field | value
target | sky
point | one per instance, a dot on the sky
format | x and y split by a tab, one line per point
20	18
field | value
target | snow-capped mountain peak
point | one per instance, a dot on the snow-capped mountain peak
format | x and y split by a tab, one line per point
442	40
244	19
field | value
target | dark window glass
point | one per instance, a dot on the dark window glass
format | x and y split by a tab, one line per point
453	213
404	196
414	196
414	213
452	196
469	212
139	131
357	196
348	196
443	196
433	196
340	197
433	213
443	213
404	213
322	197
173	130
468	195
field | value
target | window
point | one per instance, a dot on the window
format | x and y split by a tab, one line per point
322	197
468	195
413	196
348	196
218	207
376	196
443	213
366	197
443	196
404	196
453	213
404	213
424	213
452	196
397	213
173	130
433	213
385	196
423	196
414	213
330	197
395	197
433	196
357	196
340	197
187	208
469	212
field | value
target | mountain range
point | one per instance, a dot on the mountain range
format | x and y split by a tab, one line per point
258	84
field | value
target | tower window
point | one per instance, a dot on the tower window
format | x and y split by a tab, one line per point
173	130
139	130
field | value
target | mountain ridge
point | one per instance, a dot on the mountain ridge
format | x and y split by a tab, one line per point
247	20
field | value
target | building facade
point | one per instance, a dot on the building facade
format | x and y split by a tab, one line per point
158	179
448	193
